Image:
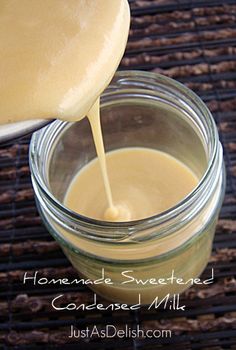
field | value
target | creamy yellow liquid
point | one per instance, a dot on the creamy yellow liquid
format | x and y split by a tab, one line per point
144	182
94	119
57	56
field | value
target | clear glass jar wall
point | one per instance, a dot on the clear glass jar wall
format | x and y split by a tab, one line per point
144	110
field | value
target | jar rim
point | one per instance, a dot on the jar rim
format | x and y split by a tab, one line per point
142	77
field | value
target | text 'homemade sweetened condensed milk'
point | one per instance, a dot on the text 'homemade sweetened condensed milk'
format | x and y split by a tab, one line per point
57	58
141	129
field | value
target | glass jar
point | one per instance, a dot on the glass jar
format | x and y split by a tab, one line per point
145	110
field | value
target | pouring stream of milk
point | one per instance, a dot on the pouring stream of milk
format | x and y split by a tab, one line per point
57	57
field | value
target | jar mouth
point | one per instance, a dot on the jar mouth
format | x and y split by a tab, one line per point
123	80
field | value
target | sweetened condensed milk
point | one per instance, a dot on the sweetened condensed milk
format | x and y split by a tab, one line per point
144	182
